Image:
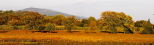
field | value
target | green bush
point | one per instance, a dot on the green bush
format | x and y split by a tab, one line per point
146	25
51	27
6	27
39	27
29	26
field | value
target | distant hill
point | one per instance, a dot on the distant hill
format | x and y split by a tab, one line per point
48	12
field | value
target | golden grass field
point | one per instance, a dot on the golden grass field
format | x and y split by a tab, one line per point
64	36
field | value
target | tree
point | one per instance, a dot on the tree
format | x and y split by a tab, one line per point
50	27
4	16
31	17
48	19
146	25
70	23
83	23
59	19
32	20
100	24
3	20
92	23
113	19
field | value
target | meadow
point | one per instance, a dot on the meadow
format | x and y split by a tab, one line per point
112	28
32	37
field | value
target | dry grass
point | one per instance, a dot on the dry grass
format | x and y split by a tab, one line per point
78	36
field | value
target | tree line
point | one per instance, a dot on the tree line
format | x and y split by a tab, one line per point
110	21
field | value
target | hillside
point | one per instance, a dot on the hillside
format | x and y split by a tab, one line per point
48	12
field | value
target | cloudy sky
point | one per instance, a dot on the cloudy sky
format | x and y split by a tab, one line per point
138	9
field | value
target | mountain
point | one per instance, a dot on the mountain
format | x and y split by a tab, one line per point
48	12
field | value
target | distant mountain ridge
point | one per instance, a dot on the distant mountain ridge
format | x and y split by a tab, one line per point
48	12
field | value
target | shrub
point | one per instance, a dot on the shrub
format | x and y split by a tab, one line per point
146	25
29	26
51	27
15	27
39	27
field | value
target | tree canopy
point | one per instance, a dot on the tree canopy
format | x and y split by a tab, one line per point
110	21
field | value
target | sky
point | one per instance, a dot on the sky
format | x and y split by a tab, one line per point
138	9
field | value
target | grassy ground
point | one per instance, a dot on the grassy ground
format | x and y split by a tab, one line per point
24	37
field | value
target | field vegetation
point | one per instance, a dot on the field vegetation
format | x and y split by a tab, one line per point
112	28
26	37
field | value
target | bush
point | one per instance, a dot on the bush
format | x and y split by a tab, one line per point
15	27
39	27
29	26
146	25
6	27
51	27
147	30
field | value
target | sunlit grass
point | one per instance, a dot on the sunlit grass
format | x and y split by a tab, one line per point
27	37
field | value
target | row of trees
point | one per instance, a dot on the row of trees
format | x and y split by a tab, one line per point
109	21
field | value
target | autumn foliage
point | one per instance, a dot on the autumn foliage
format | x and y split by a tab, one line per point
110	21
